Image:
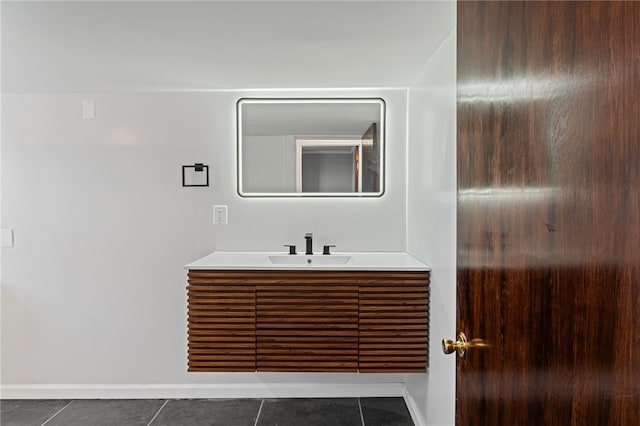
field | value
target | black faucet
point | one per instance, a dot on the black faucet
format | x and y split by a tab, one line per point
309	237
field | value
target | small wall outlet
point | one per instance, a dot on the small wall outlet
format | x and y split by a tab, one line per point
7	237
219	215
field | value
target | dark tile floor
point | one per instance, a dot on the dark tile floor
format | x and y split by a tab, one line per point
207	412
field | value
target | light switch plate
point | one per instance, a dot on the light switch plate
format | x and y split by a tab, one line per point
88	109
6	235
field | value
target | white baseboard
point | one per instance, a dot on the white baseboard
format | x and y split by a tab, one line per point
180	391
417	418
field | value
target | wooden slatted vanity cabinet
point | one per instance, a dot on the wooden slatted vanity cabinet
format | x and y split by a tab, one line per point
307	320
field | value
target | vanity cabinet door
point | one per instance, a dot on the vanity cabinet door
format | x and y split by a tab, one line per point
307	322
394	326
221	322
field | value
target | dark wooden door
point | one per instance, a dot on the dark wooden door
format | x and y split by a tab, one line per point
371	160
549	212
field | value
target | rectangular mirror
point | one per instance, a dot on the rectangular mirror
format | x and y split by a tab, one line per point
316	147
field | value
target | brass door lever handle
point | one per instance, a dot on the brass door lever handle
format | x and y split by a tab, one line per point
462	345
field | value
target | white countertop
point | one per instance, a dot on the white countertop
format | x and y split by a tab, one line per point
349	261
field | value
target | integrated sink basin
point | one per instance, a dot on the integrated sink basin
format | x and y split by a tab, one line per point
309	259
339	261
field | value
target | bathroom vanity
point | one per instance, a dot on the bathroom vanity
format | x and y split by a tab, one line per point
363	312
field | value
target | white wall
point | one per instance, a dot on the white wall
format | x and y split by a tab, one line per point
268	164
323	172
431	221
93	293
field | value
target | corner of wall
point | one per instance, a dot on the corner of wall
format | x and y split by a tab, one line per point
431	216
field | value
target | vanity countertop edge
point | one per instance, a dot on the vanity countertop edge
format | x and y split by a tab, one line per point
360	261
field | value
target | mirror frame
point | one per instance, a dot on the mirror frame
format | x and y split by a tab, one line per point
319	100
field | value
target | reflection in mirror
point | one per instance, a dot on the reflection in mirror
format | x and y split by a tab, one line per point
311	147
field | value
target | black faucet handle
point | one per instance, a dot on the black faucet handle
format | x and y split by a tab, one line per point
327	249
309	243
292	248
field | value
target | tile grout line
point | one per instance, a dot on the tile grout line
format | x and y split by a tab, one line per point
56	413
158	412
361	415
259	411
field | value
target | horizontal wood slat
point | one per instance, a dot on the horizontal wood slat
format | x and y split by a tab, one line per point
309	332
326	312
320	367
296	346
204	313
231	334
391	367
301	325
218	326
291	308
331	321
212	347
